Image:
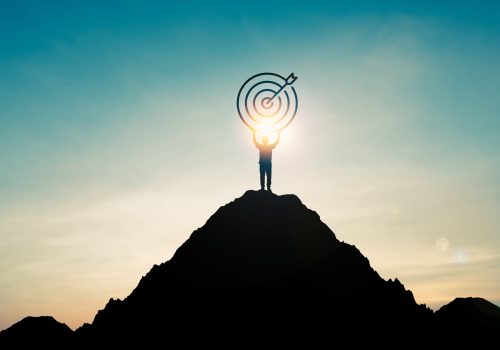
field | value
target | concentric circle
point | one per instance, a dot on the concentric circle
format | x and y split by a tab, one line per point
266	103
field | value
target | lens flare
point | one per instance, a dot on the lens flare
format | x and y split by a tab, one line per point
442	244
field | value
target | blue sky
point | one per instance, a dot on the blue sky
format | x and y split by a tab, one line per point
120	137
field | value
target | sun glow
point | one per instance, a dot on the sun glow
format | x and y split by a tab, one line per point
266	131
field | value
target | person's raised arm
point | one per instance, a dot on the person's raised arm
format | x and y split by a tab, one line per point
277	140
255	139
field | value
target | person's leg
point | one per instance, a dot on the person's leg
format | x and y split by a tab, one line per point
262	174
269	176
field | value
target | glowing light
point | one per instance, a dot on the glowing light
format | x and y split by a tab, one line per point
460	256
442	244
266	130
272	135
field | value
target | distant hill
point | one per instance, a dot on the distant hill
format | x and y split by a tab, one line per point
470	313
37	327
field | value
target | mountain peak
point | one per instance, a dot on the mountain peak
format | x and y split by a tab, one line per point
262	260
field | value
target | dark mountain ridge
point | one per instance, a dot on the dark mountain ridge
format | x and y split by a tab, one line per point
263	261
267	262
41	326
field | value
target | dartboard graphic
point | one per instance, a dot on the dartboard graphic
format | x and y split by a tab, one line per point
267	102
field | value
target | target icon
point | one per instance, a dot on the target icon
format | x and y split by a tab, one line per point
267	102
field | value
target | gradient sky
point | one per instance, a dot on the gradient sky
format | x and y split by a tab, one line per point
119	136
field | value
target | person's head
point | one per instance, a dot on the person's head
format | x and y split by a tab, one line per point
265	140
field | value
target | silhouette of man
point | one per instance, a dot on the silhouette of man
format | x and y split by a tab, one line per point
265	155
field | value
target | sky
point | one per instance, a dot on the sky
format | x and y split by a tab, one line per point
119	136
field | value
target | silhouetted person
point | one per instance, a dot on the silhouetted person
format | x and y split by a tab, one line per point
265	156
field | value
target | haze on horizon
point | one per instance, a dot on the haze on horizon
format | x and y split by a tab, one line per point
119	136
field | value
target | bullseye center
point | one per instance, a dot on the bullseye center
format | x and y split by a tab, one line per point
266	103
